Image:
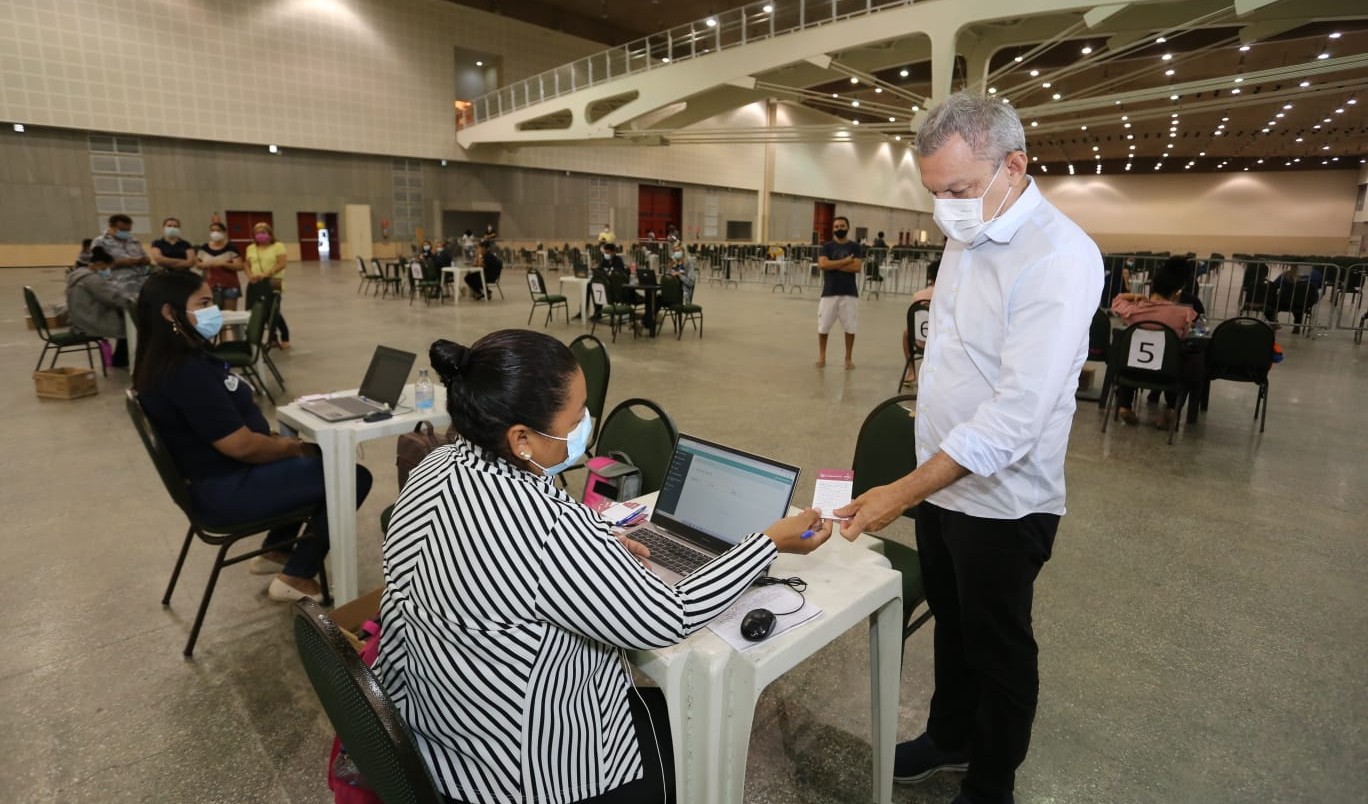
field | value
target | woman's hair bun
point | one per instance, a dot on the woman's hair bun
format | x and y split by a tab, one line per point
449	359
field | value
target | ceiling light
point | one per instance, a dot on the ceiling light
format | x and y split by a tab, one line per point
1034	124
1086	50
1325	147
1125	117
1173	97
1259	162
1265	131
1244	48
902	73
1187	166
1304	84
916	108
1280	114
1057	96
1225	119
1018	60
1097	156
855	122
834	95
1221	127
1044	169
1167	57
1201	153
443	163
892	119
1130	136
711	22
1235	91
1326	120
1161	40
768	9
1132	147
854	80
1299	139
1168	145
273	149
1046	85
878	90
992	90
1316	125
1127	125
1035	73
897	137
1335	35
1082	128
1340	110
1323	57
664	59
1352	101
1168	72
1035	159
1215	133
19	128
479	64
1298	159
1128	166
856	104
1096	148
1174	115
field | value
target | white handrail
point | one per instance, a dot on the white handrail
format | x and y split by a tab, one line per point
758	20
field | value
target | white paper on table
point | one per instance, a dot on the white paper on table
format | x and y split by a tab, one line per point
775	598
833	490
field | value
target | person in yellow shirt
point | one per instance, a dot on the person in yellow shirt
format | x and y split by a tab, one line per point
265	269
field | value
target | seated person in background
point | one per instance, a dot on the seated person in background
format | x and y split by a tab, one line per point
1161	306
96	305
879	241
493	267
683	268
237	470
84	257
922	295
508	604
611	262
1296	290
171	252
221	262
441	257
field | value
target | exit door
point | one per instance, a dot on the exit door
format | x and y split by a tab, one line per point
822	216
240	227
657	208
308	235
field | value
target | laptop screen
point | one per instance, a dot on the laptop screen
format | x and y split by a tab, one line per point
717	495
388	372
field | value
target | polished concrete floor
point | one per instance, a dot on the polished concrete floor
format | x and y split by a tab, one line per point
1202	624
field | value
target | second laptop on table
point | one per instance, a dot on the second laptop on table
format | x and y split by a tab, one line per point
381	388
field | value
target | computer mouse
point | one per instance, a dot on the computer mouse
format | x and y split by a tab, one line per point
757	624
378	416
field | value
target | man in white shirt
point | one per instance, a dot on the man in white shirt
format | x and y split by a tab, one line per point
1017	289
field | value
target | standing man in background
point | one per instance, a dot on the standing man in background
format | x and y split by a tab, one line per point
1017	289
840	261
131	263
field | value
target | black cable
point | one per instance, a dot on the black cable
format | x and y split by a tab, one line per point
795	583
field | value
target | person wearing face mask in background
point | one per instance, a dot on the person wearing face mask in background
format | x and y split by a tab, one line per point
221	262
1016	293
682	267
171	252
840	261
494	572
131	263
266	261
96	305
238	471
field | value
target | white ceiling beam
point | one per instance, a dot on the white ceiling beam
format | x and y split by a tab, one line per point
1246	7
1097	15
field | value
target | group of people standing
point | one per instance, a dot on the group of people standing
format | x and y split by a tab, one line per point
112	267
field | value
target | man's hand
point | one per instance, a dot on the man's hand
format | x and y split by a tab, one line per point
874	510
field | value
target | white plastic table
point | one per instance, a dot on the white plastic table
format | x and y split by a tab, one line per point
338	442
459	272
711	690
577	288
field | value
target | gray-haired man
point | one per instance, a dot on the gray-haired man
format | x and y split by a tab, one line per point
1008	334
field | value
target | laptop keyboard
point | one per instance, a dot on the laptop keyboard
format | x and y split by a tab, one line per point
669	553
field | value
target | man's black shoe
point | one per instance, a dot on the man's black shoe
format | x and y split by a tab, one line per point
920	759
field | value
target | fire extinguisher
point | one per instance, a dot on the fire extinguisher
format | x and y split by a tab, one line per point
384	229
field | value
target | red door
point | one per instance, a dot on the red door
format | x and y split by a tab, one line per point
822	216
334	242
308	235
657	208
240	227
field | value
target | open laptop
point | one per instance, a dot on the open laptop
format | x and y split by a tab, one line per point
380	390
712	498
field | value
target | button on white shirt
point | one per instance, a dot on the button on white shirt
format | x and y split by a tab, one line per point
1008	336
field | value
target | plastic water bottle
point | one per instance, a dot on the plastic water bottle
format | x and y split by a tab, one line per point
422	392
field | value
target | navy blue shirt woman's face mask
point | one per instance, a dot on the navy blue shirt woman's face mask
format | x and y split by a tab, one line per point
199	300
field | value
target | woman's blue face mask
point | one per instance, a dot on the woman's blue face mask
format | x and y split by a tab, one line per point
576	444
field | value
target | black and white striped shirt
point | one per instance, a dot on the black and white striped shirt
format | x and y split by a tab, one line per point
505	604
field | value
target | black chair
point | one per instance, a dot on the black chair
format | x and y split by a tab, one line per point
1154	367
607	296
885	451
59	342
536	285
245	354
425	280
873	278
593	360
368	278
273	312
680	312
221	537
918	326
1241	350
646	434
366	720
386	280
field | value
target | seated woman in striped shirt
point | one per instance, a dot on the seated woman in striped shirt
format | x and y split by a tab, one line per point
508	604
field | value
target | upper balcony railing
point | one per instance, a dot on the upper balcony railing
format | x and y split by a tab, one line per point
753	22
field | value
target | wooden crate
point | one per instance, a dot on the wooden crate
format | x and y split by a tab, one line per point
54	320
65	383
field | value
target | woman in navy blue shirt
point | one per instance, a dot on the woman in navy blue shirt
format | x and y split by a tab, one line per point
237	469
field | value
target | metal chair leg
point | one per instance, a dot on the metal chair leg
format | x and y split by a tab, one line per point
180	561
204	602
275	372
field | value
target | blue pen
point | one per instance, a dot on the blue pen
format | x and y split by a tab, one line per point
808	534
